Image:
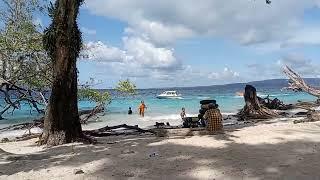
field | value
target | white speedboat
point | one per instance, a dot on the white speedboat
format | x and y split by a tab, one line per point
169	95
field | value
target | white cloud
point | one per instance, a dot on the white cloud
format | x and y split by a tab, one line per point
159	33
148	55
154	26
38	22
98	51
88	31
140	59
227	74
305	36
301	64
137	58
298	62
247	22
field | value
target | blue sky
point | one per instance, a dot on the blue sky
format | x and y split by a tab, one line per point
182	43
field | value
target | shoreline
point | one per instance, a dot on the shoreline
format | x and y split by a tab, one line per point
147	122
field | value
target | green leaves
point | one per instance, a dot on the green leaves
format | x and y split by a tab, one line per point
127	87
24	59
85	91
94	96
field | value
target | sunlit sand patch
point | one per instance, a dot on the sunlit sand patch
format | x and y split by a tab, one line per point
195	141
179	158
272	170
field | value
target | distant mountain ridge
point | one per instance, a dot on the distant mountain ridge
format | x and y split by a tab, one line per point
279	83
284	82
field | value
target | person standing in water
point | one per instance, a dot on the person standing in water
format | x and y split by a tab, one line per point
183	113
129	111
142	108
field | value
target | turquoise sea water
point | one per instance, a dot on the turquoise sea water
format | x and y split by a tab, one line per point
168	109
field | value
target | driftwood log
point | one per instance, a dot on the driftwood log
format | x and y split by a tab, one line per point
253	109
91	113
296	83
275	104
23	126
312	116
106	131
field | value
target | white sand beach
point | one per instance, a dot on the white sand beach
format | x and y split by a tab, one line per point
275	149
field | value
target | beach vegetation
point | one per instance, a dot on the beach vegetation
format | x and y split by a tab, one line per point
25	68
126	86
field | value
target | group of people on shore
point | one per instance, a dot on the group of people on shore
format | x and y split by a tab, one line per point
212	117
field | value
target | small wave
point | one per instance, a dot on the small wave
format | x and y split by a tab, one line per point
17	133
237	97
273	95
203	97
228	113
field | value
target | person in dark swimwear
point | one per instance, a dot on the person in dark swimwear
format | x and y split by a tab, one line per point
129	111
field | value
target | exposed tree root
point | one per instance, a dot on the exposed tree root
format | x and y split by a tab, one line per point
253	109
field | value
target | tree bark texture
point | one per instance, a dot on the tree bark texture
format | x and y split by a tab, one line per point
253	109
62	122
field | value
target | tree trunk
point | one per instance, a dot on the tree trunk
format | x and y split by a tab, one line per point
296	83
63	38
253	109
93	112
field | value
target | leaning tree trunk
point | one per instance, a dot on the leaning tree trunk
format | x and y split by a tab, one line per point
63	41
296	83
253	109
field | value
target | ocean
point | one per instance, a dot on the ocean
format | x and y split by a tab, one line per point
168	110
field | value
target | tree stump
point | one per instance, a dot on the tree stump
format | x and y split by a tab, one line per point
253	109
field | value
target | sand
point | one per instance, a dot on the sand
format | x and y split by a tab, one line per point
276	149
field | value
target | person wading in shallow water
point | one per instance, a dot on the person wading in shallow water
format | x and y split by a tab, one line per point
129	111
142	108
183	113
214	119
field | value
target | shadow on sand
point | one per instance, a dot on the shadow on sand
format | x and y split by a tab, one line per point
180	157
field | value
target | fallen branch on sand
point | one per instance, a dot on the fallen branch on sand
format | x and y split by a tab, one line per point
103	131
312	116
28	125
39	122
306	105
275	104
28	136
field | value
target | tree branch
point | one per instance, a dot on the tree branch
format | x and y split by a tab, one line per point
296	83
